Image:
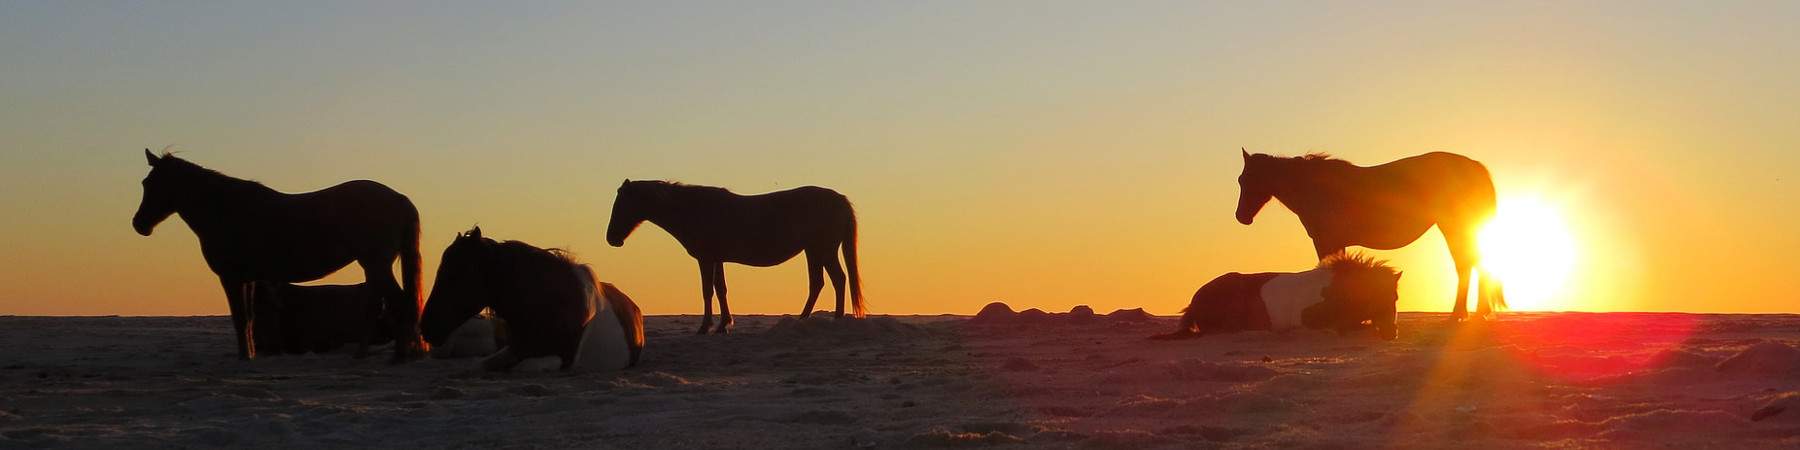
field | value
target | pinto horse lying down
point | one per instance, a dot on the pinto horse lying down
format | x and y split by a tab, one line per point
299	319
551	305
1346	292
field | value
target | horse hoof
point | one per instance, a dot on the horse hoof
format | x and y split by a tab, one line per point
724	328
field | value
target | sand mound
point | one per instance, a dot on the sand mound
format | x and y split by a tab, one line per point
1764	358
832	327
995	312
998	313
1130	315
1082	313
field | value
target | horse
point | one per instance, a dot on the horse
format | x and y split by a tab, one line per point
318	318
1382	207
552	305
1342	293
250	233
717	226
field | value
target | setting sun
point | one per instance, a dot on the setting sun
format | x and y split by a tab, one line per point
1529	247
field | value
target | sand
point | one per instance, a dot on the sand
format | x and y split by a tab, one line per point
1046	381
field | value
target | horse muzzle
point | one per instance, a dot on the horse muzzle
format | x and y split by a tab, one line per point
143	229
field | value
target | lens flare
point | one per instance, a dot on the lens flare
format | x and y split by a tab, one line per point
1529	247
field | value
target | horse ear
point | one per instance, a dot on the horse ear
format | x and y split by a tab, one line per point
475	232
151	157
1245	152
1397	275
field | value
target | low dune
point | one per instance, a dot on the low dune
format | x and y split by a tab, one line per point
1006	379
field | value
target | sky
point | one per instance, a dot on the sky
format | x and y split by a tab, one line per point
1045	154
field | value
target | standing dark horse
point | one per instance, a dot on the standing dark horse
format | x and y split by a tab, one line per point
552	305
250	233
1382	207
717	226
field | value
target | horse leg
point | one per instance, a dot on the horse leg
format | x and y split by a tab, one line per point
706	295
234	299
370	319
378	275
1489	293
837	282
1462	251
815	281
724	305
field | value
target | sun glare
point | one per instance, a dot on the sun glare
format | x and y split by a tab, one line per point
1528	247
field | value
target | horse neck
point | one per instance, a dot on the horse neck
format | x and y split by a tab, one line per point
686	211
216	200
1309	190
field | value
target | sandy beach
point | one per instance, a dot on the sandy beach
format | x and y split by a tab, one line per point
1619	380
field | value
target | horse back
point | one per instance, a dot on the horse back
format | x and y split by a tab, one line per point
1444	175
1230	302
768	229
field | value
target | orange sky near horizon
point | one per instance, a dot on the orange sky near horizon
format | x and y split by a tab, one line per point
1075	154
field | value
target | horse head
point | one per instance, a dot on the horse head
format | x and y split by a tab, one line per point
1362	288
1253	186
631	208
160	189
460	290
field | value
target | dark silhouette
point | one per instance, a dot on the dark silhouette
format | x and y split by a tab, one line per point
1382	207
250	233
299	319
552	305
717	226
1346	292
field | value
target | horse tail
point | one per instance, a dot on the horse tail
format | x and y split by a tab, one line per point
1489	204
629	316
411	280
856	294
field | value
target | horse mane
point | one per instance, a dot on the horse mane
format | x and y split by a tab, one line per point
1319	160
204	174
678	186
1356	263
517	250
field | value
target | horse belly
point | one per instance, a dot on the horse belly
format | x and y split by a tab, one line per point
603	345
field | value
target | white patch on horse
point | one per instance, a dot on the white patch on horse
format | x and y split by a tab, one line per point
603	344
473	338
1288	294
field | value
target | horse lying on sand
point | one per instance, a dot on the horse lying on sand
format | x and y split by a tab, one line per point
300	319
1346	292
552	305
717	226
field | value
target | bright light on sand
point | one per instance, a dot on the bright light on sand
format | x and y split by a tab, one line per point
1529	247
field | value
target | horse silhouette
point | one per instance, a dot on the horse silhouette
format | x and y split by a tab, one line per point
1382	207
552	305
717	226
250	233
1346	292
